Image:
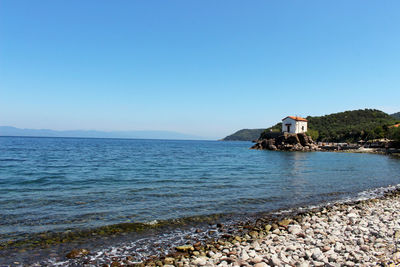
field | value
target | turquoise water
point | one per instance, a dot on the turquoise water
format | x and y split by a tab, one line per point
56	184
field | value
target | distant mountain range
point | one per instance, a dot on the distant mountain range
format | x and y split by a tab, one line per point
12	131
396	115
348	125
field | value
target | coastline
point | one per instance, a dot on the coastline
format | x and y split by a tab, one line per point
358	233
243	184
346	233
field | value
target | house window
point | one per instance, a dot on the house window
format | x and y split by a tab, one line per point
302	128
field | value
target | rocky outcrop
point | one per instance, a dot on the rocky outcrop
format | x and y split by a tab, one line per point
286	142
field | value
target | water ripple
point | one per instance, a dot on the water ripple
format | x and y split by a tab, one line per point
55	184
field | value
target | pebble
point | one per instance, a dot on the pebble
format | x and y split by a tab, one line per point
244	256
200	261
275	261
295	229
340	236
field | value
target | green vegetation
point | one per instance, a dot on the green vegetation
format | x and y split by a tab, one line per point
313	133
244	135
276	128
394	133
350	126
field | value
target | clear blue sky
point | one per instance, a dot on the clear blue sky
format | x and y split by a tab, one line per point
204	67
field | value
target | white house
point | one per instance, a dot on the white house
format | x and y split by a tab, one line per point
292	124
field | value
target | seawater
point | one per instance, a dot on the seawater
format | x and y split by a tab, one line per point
59	184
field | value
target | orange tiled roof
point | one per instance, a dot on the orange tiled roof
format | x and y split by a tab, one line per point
396	125
295	118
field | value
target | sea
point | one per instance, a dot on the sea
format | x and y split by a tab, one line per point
52	187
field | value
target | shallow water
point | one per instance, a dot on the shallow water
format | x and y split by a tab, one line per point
57	184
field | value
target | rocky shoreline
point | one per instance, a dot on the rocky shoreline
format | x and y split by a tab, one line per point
286	142
362	233
277	141
359	233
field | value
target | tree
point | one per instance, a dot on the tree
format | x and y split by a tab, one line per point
313	133
394	133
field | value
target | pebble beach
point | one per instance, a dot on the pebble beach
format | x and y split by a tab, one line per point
230	206
358	233
363	233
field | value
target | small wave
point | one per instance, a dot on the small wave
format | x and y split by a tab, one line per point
165	195
331	194
363	195
154	222
40	180
376	192
48	178
12	159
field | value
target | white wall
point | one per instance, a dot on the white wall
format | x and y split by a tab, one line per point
292	125
301	126
295	126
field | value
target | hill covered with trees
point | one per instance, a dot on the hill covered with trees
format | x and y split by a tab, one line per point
244	135
352	126
349	126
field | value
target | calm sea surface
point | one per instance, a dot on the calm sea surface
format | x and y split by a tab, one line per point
68	183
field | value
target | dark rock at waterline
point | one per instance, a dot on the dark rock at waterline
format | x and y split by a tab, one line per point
287	142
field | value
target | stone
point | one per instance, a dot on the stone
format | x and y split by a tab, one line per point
294	229
290	248
238	238
252	253
285	222
77	253
326	248
211	254
185	248
338	247
244	256
257	259
303	264
223	264
332	257
169	260
318	263
256	246
317	254
261	264
275	261
396	257
254	234
200	261
397	235
302	235
272	147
